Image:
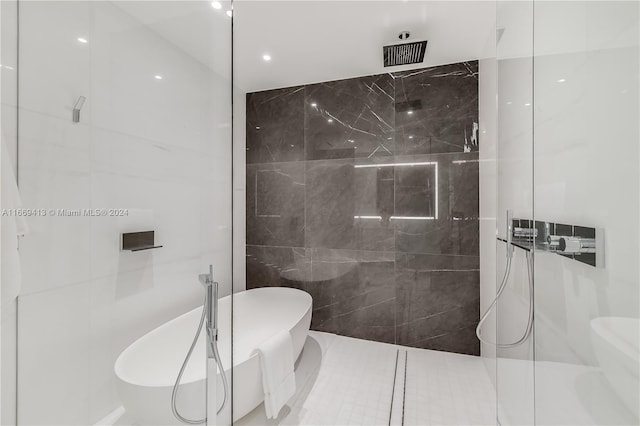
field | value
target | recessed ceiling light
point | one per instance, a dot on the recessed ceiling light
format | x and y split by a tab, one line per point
411	137
83	40
527	104
229	13
352	141
266	57
330	120
158	77
216	5
562	80
313	104
257	127
409	112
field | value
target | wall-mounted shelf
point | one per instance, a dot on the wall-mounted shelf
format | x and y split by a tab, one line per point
138	241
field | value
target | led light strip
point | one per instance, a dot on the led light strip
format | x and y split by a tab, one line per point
426	163
397	217
365	166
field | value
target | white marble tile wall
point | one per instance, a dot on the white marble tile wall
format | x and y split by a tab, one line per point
159	147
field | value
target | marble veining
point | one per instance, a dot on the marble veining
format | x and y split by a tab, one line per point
275	204
449	99
364	192
350	118
275	125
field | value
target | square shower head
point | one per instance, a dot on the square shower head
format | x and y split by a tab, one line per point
404	53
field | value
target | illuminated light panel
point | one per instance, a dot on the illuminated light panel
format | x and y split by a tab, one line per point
412	217
425	163
397	217
464	161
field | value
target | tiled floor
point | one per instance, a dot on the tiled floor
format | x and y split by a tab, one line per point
346	381
447	389
343	381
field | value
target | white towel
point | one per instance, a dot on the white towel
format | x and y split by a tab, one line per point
12	227
278	377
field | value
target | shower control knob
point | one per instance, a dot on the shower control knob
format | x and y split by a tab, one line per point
577	245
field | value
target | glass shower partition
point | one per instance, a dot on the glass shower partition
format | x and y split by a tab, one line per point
586	190
567	162
125	151
514	167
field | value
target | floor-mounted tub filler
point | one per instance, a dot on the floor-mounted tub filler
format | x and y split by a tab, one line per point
146	371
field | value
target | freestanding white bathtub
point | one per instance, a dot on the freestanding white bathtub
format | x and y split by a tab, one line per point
146	371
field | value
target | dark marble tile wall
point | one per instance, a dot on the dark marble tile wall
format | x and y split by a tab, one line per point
455	230
275	125
275	204
437	299
364	193
447	99
350	118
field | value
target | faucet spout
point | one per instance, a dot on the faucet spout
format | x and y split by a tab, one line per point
207	279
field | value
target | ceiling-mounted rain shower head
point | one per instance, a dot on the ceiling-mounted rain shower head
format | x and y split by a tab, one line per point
404	53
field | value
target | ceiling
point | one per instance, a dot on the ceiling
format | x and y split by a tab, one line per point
194	27
314	41
311	41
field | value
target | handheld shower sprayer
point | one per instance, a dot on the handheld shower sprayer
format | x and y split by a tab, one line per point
503	284
211	302
210	317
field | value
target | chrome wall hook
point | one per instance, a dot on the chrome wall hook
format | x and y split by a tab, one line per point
77	107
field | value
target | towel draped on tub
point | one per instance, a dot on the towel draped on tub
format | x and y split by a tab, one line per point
278	377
